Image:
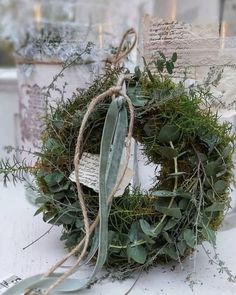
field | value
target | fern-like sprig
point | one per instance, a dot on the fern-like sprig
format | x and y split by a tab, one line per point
14	170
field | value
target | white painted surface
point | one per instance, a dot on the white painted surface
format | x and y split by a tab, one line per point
198	11
18	228
8	108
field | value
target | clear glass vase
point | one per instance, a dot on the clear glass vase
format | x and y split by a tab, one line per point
54	36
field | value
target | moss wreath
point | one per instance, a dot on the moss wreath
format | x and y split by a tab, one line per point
177	131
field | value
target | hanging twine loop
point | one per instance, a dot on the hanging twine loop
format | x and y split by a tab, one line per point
124	48
122	52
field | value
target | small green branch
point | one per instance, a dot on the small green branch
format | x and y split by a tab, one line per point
174	190
117	247
201	195
135	244
14	170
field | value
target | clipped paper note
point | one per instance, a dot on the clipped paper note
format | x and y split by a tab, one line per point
89	174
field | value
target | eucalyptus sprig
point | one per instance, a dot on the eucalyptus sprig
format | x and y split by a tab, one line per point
190	194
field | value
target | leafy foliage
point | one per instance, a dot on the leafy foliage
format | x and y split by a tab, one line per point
177	131
14	170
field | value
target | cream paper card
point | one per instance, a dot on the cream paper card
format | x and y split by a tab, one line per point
89	174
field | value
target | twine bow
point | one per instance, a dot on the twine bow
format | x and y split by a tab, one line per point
124	49
114	134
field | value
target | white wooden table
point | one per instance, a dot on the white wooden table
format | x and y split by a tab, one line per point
18	228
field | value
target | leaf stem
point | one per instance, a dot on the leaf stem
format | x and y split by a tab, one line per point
174	189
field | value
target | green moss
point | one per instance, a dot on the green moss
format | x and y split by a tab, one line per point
175	130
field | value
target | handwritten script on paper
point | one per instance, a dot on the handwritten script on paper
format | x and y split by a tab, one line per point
189	41
89	171
89	174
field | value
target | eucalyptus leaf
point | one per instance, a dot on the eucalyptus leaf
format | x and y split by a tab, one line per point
181	193
135	93
170	224
79	223
174	212
42	200
208	183
211	195
167	237
58	124
55	221
40	210
59	195
60	187
216	207
48	215
139	101
134	232
183	204
227	151
71	240
67	219
164	202
54	178
169	67
57	121
211	169
137	253
209	235
204	220
77	118
170	250
147	228
210	139
159	227
149	239
220	186
189	238
182	246
169	133
160	65
174	57
53	145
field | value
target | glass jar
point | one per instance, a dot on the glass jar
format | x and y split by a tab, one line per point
54	36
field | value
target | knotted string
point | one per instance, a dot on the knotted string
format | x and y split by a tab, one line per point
124	49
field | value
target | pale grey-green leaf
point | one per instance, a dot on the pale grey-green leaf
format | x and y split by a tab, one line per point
189	238
215	207
137	253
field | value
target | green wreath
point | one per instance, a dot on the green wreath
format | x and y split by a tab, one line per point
177	131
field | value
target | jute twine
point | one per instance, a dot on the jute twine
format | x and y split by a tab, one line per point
82	247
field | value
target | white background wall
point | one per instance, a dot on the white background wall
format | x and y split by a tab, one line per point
193	11
8	109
